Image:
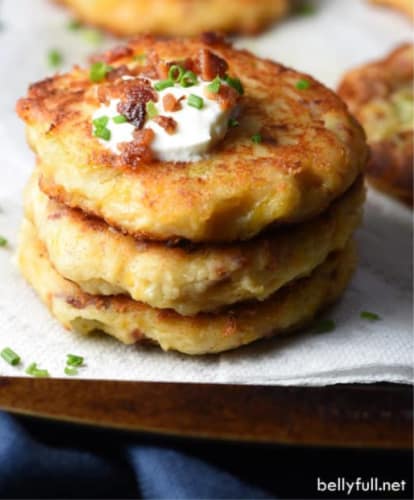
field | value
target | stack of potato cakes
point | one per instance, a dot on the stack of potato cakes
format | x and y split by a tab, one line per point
252	239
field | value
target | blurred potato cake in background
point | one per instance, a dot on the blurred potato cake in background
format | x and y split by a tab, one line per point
405	6
189	194
178	17
381	96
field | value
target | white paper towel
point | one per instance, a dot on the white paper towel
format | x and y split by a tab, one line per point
341	34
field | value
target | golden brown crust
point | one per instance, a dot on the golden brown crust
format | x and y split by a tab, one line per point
380	95
405	6
287	310
178	17
312	151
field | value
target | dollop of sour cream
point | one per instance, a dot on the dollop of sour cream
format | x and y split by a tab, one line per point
198	130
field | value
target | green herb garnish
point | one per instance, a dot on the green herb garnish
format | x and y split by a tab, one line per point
74	25
214	86
74	360
10	356
305	9
233	123
195	101
70	371
98	71
54	58
101	122
235	83
102	133
3	241
151	110
188	79
257	138
34	371
302	84
119	119
325	326
92	36
175	73
163	84
370	316
101	129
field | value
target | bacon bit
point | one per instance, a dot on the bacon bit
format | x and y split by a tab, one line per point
119	52
134	112
162	69
230	327
211	65
171	103
151	69
134	96
56	215
118	72
76	302
112	55
167	123
103	94
227	97
137	90
138	151
212	38
144	137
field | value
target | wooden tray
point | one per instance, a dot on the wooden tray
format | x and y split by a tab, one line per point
373	416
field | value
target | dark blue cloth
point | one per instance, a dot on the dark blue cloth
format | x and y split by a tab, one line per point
37	462
44	459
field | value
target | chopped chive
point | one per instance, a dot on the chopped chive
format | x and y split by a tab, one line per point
257	138
34	371
175	73
163	84
74	360
195	101
151	110
70	371
74	25
214	86
101	122
302	84
188	79
325	326
233	123
305	9
370	316
92	36
54	58
119	119
10	356
98	71
3	241
235	83
140	57
103	133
